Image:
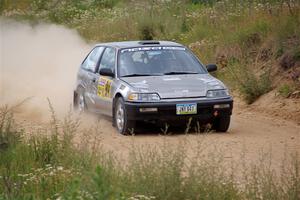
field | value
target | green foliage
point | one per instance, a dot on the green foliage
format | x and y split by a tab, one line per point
9	136
285	90
296	54
286	26
146	31
105	3
2	6
209	2
250	85
253	87
156	173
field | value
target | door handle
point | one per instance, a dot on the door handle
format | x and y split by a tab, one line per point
94	80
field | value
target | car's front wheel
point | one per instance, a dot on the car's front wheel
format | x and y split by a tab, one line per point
123	124
221	123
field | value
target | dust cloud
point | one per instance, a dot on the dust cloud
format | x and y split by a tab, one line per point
39	61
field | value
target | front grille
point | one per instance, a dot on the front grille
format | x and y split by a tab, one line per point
185	98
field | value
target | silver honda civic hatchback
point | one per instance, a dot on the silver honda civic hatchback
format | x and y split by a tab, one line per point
156	81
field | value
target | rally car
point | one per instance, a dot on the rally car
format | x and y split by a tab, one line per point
156	81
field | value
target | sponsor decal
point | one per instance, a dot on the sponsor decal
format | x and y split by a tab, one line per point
152	48
104	87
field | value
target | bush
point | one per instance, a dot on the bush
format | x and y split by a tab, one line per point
285	90
250	85
146	32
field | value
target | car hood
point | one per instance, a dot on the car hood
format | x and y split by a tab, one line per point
175	86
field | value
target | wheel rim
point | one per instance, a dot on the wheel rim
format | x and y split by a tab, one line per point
120	117
81	104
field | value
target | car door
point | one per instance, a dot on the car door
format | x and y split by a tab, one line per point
105	84
89	75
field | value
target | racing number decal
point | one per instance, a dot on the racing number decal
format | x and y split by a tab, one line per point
104	86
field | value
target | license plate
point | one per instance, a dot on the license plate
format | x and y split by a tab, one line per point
186	109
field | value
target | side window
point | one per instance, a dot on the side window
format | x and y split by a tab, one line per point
108	59
90	62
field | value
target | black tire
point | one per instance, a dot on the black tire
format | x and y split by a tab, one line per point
123	125
221	123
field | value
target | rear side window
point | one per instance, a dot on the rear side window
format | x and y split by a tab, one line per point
91	61
108	59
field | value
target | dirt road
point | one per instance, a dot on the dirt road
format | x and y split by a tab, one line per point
252	136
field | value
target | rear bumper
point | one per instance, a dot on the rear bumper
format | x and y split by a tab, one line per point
166	111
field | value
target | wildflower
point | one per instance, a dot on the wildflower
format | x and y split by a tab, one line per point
38	169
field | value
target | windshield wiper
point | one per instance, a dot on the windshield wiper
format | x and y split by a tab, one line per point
131	75
179	72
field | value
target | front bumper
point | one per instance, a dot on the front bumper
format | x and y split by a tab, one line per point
166	111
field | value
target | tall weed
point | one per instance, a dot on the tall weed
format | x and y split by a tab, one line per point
40	167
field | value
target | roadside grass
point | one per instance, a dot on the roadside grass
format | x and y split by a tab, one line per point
247	41
49	163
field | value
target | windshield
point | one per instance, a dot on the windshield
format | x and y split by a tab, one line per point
156	61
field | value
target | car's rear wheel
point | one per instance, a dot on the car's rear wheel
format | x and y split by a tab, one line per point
221	123
79	103
122	123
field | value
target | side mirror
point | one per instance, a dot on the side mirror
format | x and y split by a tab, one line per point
106	72
211	67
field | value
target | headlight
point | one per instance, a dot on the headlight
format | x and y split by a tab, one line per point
145	97
217	93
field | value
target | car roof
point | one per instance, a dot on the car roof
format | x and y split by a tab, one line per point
131	44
